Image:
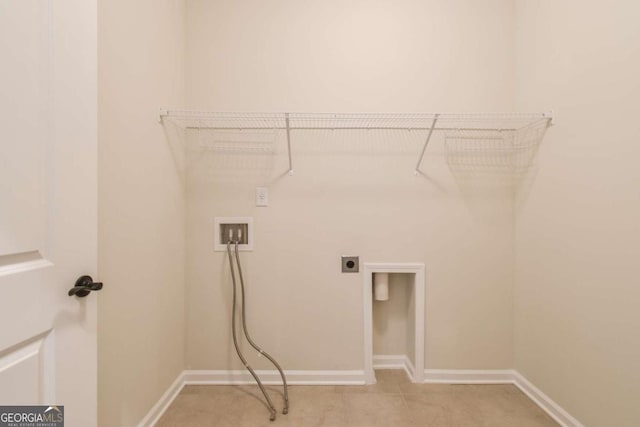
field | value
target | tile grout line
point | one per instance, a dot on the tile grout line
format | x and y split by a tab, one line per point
344	403
406	407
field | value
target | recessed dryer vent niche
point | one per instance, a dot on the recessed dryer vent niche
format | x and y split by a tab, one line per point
233	229
398	326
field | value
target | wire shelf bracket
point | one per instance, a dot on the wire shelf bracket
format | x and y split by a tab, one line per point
426	142
289	143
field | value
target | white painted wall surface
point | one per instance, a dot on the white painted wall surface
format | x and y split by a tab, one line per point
142	208
577	230
351	194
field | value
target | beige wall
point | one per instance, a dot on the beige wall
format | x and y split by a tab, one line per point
578	232
141	210
351	193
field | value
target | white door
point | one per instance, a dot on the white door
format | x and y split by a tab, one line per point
48	212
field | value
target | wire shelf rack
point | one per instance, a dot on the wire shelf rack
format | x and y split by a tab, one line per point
506	150
477	139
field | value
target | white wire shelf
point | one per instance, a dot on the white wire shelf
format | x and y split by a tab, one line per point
471	126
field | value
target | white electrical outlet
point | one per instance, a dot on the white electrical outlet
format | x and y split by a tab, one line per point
262	196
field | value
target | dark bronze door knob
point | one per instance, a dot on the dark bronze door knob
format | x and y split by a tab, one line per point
84	286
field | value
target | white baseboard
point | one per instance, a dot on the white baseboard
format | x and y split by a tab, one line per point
468	376
554	410
163	403
394	361
409	368
389	361
355	377
503	376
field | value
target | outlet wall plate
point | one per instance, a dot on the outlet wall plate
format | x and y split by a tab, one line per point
350	264
262	196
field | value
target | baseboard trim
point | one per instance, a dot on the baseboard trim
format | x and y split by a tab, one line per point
357	377
389	361
554	410
468	376
503	376
394	361
222	377
163	403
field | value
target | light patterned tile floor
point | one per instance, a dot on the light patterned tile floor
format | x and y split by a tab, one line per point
393	401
